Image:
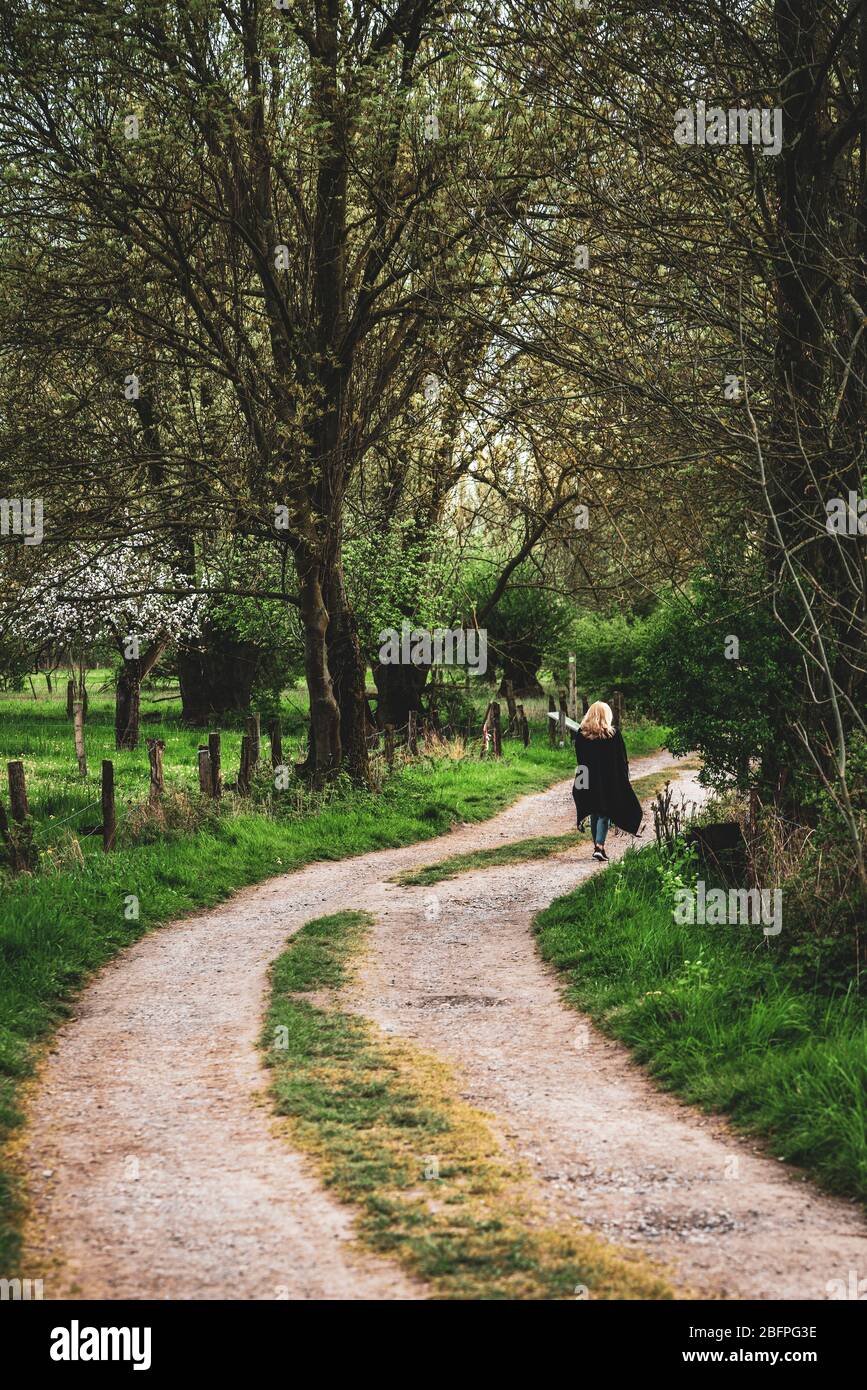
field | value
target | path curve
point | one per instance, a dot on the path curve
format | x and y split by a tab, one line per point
155	1168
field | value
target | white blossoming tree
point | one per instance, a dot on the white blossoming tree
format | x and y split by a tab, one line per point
128	595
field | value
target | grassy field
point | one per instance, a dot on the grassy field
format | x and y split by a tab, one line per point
64	805
719	1015
60	924
422	1169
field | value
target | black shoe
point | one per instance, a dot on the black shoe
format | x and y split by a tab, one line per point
599	854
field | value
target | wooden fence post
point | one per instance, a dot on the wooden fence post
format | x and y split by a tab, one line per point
523	726
389	744
512	708
552	728
204	770
497	738
584	704
109	822
275	734
216	788
412	733
573	689
561	722
18	792
617	708
155	747
255	736
78	733
244	769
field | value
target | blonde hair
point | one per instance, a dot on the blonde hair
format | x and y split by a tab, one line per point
598	722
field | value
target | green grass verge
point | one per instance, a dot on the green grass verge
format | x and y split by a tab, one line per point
719	1015
518	851
421	1168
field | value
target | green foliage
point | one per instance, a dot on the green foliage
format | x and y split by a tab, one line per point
403	573
676	870
270	625
607	652
826	905
528	626
730	711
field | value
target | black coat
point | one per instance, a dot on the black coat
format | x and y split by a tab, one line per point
608	792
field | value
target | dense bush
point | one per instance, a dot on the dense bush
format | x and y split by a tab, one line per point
733	709
607	652
527	627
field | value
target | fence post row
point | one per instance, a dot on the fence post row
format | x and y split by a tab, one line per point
491	732
509	688
204	770
523	727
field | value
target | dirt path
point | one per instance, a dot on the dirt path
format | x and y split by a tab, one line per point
153	1164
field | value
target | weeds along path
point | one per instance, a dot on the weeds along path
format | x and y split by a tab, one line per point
155	1169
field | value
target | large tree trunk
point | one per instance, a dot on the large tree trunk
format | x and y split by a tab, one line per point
798	445
216	675
348	671
521	671
127	710
399	688
324	753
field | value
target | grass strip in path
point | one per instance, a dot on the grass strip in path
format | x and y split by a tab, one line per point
423	1169
518	851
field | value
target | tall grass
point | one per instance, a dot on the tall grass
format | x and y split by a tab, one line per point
721	1015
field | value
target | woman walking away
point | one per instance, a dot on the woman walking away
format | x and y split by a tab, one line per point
602	789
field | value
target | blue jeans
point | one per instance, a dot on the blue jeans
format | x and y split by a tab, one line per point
598	828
